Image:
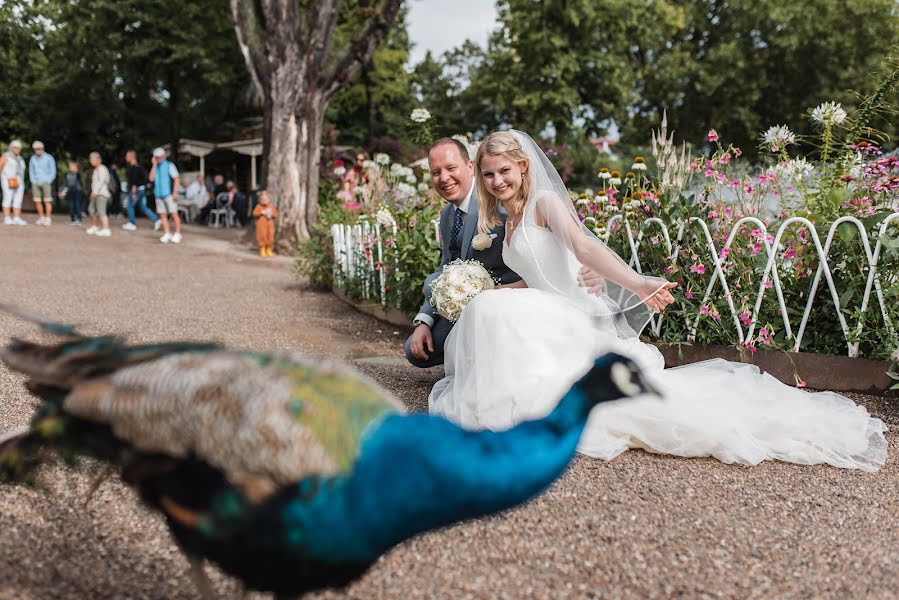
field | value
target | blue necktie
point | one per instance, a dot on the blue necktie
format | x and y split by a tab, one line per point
457	226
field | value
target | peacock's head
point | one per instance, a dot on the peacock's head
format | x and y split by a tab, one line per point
614	377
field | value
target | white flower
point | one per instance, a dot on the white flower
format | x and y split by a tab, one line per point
420	115
582	202
397	170
636	203
384	218
405	189
638	166
423	188
411	179
829	113
340	171
589	221
481	241
796	169
588	192
600	231
369	164
615	181
778	136
382	159
604	174
895	355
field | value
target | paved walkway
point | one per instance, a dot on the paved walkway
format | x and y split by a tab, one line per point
639	526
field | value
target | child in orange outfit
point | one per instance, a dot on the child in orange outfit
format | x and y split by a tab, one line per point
265	215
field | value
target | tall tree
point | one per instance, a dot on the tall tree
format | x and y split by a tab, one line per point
300	53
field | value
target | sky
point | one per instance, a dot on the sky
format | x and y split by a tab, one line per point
439	25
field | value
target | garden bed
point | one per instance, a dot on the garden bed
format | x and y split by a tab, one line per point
818	371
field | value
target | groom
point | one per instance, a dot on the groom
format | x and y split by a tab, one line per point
452	175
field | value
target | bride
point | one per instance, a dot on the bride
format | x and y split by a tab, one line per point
514	352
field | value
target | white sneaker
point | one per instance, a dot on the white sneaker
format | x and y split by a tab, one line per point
18	221
166	238
157	225
129	227
104	233
40	221
48	221
7	221
91	230
176	239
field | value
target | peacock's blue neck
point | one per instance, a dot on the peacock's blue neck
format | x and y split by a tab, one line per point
420	472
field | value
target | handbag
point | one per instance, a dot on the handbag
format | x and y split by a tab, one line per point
12	182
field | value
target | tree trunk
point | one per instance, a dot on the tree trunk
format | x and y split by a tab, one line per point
290	55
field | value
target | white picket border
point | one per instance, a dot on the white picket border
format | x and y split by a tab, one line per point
351	260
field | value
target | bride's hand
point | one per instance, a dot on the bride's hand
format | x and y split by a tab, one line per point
658	299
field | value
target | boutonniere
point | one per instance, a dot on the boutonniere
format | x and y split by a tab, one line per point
482	241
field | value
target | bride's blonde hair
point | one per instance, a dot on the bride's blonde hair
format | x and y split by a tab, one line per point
500	143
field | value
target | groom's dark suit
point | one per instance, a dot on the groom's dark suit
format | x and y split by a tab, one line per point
451	249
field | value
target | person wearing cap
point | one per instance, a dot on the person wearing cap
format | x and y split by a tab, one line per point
12	183
100	197
165	178
42	173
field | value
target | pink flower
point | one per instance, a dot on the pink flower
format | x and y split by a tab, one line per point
790	254
723	253
745	317
768	284
725	158
715	314
756	248
655	240
709	173
747	188
704	310
351	206
720	177
713	135
688	295
738	152
668	270
734	184
800	383
697	268
763	331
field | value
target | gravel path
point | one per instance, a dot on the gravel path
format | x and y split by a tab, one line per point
641	526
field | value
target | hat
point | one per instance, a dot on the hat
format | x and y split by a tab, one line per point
159	153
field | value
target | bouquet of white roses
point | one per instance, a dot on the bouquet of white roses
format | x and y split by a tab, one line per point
460	281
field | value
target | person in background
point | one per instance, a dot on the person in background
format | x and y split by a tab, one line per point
115	188
218	185
265	215
99	199
74	192
42	173
196	198
238	202
137	192
165	178
12	183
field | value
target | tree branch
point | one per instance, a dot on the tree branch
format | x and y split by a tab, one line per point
250	29
361	48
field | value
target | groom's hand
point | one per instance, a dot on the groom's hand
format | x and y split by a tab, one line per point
421	343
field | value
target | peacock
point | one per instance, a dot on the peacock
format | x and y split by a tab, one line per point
290	473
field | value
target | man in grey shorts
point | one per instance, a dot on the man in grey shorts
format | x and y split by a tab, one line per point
99	197
42	173
165	177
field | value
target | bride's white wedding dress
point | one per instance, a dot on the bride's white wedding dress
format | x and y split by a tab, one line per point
514	353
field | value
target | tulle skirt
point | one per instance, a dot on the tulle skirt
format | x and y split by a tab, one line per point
515	352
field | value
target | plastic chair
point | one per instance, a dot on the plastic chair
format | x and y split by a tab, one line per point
222	213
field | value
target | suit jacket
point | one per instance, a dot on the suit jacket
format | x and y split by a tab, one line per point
491	258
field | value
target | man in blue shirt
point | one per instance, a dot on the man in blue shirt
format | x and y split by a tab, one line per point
42	173
165	177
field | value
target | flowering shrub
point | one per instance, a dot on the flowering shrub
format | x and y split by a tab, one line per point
703	213
737	238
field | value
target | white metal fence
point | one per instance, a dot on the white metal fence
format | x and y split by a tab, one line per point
359	253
